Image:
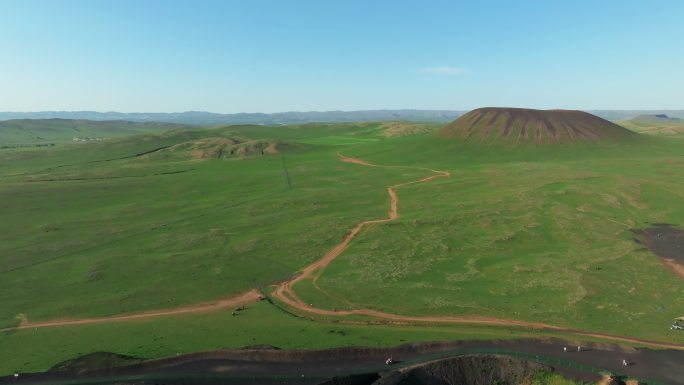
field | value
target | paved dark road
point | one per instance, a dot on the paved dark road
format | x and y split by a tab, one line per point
312	367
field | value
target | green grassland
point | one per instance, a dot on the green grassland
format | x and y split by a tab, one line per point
546	378
261	323
662	127
97	238
525	233
131	224
36	132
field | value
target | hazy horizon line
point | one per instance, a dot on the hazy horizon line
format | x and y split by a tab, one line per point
328	111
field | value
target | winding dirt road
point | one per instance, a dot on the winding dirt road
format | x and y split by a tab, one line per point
286	294
284	291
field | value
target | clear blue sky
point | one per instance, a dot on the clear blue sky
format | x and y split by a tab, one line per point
284	55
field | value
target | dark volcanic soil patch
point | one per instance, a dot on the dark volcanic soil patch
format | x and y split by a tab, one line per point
665	241
98	360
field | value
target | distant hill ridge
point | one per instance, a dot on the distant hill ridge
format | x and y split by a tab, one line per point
520	125
210	118
654	124
656	117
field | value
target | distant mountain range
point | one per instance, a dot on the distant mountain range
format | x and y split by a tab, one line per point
210	118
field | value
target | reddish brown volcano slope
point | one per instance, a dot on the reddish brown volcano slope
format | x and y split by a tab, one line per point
520	125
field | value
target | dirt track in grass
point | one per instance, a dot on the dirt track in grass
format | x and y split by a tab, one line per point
235	301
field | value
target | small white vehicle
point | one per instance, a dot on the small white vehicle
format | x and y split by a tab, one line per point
389	361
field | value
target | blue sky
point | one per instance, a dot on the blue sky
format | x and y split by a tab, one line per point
269	56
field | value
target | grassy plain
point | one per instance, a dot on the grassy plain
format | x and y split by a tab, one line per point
85	238
521	232
662	127
535	233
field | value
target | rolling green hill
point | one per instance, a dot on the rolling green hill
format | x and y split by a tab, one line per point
659	124
108	212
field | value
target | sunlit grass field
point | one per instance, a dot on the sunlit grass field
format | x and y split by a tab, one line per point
537	233
261	323
101	238
521	233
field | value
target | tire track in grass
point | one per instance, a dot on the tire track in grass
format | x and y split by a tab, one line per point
240	299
